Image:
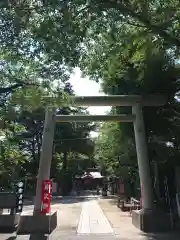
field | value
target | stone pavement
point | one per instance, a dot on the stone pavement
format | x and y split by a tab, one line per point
121	223
91	219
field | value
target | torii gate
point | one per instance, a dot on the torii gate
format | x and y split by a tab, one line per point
136	102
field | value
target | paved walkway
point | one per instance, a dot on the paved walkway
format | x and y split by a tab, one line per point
90	219
121	223
93	220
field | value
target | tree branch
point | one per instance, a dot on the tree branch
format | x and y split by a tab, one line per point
10	89
134	24
154	28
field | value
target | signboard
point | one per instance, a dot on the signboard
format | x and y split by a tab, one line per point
20	193
46	195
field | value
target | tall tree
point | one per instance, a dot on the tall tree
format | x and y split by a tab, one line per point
72	136
140	67
64	25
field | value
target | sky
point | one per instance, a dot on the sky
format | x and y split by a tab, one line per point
86	87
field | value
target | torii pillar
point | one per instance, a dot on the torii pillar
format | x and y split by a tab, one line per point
142	157
149	218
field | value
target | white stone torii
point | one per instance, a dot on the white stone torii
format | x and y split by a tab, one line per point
137	102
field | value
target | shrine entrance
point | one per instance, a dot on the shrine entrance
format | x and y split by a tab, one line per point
136	117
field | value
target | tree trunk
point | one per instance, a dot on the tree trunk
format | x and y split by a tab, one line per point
65	160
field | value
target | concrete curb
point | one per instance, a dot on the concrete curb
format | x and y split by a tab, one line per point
33	224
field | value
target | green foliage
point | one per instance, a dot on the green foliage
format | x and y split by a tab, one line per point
132	46
155	72
62	30
116	152
128	59
23	133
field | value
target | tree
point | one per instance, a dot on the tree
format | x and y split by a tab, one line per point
28	71
11	157
139	67
123	43
116	155
73	136
69	138
61	38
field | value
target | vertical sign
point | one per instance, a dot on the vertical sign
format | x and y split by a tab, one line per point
19	192
46	194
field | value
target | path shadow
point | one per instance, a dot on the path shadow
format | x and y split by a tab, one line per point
112	201
31	237
64	200
38	237
11	238
71	200
162	236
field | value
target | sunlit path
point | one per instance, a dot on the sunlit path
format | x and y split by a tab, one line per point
92	219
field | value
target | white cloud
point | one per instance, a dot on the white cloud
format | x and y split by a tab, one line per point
86	87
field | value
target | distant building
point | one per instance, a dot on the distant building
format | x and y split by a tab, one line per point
90	179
